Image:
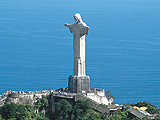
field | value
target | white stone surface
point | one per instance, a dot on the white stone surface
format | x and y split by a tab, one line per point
101	93
100	98
79	30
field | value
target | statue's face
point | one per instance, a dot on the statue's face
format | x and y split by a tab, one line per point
76	19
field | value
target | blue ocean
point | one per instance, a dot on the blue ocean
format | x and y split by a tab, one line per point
122	47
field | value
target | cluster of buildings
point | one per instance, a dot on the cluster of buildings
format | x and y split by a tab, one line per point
22	97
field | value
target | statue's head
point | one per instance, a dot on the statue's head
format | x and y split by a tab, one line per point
77	18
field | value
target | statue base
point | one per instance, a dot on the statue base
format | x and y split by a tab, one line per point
79	84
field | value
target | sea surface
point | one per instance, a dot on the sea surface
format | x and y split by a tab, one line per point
122	47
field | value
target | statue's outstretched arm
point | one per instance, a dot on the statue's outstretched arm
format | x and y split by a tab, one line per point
70	26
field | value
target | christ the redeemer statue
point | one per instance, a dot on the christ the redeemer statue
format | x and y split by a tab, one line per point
79	30
78	82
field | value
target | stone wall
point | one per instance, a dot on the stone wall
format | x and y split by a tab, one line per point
20	98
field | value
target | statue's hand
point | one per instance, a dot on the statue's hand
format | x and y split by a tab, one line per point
66	25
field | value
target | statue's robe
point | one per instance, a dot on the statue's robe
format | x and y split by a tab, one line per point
79	30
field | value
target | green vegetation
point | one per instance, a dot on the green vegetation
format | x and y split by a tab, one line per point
12	111
68	110
42	105
81	110
63	110
125	115
151	108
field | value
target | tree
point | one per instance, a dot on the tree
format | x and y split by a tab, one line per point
20	114
8	111
158	111
114	118
119	114
12	111
151	108
83	110
157	118
63	110
42	105
29	112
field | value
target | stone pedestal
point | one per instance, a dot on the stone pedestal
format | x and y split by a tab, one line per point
79	84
